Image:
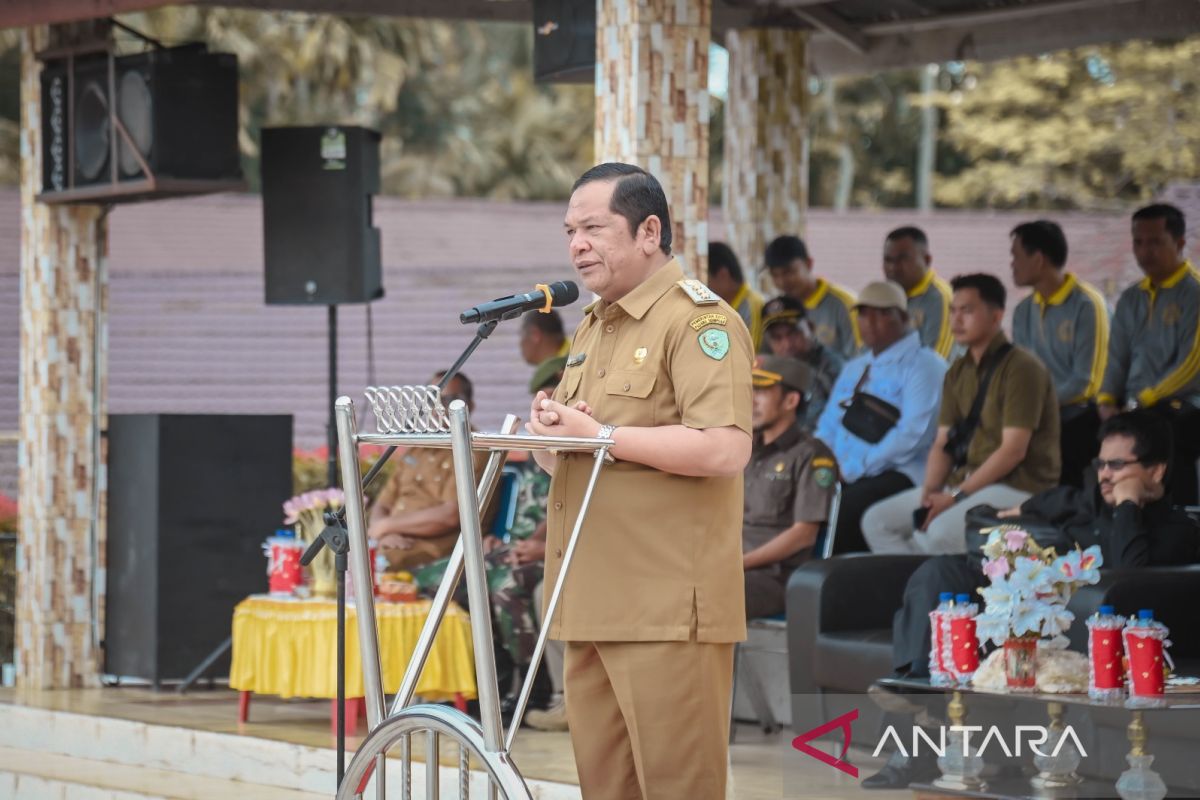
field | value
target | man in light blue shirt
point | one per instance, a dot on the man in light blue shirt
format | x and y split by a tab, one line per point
907	378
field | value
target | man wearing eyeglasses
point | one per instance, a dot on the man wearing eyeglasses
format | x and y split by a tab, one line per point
1128	513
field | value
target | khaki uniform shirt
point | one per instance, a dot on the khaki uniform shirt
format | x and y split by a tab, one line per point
659	555
425	478
1020	395
788	481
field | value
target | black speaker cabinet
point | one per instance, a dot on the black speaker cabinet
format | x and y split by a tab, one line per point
564	41
175	130
320	244
190	500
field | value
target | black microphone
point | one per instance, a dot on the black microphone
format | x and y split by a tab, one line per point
559	293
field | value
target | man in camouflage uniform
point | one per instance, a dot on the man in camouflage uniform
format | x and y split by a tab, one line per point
514	567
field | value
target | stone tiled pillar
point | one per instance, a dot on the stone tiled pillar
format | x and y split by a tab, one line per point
60	570
652	105
766	161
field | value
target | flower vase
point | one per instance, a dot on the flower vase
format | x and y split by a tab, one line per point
1020	663
323	578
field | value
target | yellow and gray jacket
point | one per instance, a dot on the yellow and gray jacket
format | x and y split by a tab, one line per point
1068	331
1154	352
929	310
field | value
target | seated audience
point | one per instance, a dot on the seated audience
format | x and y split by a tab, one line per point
789	484
514	574
1129	514
830	307
542	337
726	279
788	333
996	443
415	517
1064	322
906	260
1154	351
899	371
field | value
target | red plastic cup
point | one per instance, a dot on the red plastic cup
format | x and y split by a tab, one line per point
1107	651
1144	647
283	567
964	646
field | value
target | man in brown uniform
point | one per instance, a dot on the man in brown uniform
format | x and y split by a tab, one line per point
789	485
415	517
654	602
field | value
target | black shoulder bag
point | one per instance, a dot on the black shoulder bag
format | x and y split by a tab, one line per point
868	417
958	440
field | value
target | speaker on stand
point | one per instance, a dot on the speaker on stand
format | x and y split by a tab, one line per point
320	243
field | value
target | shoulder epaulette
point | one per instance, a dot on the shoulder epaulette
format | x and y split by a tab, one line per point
701	295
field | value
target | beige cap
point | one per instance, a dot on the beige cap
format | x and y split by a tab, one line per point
883	294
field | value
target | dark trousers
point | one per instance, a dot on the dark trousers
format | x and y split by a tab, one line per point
1077	437
765	591
910	626
1185	425
857	497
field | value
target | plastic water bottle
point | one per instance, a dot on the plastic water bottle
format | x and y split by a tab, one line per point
962	646
939	675
1106	651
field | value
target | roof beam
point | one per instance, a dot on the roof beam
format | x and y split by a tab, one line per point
824	18
1064	25
23	13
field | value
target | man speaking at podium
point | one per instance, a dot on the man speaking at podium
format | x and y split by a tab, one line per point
654	601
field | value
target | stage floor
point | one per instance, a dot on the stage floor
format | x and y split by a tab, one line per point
761	764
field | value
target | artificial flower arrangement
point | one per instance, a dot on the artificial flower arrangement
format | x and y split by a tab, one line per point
307	512
1027	599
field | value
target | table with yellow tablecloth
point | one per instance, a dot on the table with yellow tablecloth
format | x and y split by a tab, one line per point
288	647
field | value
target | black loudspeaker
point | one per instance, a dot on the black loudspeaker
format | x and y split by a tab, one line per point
564	41
321	246
190	500
175	131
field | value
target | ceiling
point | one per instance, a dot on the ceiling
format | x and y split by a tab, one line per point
848	35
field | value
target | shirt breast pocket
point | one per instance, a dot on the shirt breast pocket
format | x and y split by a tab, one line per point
626	398
570	384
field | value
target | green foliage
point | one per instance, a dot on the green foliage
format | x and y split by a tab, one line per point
455	102
1082	128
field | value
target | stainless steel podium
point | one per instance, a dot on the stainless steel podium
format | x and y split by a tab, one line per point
413	416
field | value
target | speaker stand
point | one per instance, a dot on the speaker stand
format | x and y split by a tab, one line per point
331	425
210	659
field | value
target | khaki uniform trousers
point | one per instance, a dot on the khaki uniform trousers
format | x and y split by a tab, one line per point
650	720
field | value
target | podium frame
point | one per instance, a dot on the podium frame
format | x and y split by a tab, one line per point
414	417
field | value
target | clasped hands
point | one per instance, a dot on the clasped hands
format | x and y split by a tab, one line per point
550	418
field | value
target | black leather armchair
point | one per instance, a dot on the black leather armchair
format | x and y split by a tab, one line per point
1171	591
839	614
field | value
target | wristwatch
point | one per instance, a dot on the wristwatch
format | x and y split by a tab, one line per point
957	494
606	432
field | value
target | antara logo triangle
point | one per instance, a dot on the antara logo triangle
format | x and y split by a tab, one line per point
801	742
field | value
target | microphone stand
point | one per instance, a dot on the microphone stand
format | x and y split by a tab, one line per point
335	537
